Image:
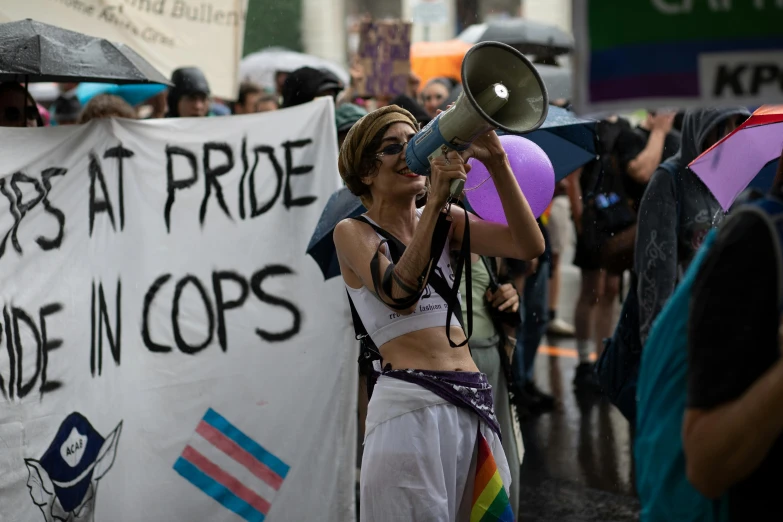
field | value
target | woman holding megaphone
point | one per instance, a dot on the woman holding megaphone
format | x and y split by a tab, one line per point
432	441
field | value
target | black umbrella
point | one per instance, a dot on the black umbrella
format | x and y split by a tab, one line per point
341	205
557	80
36	52
527	36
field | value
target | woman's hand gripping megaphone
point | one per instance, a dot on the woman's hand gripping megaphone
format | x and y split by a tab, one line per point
444	170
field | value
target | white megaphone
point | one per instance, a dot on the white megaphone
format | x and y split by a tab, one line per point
501	90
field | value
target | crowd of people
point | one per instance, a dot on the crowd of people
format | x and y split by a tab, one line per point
635	210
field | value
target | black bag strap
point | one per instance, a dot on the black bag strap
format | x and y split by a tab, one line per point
369	351
436	279
505	363
493	280
462	258
358	325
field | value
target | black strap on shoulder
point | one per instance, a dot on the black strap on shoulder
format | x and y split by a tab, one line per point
434	278
369	351
358	325
505	363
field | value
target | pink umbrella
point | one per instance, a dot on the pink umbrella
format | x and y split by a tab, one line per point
731	164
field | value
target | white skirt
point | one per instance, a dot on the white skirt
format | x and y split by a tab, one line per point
419	461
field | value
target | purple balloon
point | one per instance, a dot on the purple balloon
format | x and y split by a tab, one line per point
531	168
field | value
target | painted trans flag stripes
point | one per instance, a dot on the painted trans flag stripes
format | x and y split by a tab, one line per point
232	468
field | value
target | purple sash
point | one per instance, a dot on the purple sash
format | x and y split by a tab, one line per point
463	389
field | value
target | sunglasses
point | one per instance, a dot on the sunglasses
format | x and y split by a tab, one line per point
14	114
392	150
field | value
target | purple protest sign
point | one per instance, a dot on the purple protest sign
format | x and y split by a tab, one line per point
384	54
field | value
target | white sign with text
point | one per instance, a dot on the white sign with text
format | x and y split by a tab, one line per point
167	349
208	34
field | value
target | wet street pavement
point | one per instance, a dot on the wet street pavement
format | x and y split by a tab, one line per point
577	465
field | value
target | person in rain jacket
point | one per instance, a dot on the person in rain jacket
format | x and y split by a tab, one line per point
677	211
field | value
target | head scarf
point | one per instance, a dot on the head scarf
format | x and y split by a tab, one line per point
363	132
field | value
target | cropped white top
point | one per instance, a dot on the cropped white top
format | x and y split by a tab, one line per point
384	324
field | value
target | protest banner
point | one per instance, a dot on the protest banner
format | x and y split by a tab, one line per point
677	53
168	33
167	350
384	54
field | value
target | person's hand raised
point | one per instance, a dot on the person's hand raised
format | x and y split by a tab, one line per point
663	121
487	149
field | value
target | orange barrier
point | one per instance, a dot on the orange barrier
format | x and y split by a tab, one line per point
433	59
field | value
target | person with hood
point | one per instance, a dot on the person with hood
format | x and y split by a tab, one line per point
189	98
306	83
677	211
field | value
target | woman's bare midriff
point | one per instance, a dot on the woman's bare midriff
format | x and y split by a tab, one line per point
429	349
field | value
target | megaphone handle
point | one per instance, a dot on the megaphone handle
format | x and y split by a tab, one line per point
458	184
456	188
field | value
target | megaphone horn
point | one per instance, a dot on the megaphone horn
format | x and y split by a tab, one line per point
501	90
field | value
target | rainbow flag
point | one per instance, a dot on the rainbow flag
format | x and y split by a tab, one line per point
490	501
